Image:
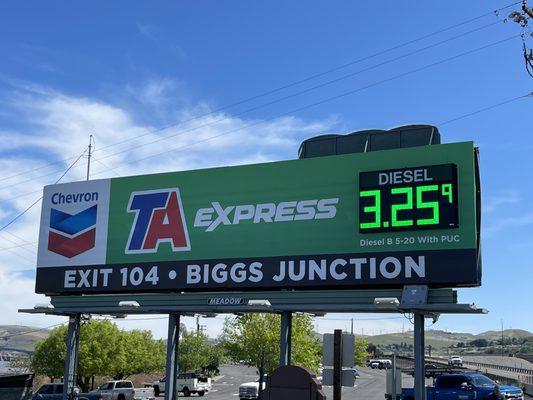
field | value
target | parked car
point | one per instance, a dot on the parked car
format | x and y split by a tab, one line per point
464	387
51	391
250	390
187	383
379	364
455	361
118	390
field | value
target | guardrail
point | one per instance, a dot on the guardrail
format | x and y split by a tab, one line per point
524	376
517	370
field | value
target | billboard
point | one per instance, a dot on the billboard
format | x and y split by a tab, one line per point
373	220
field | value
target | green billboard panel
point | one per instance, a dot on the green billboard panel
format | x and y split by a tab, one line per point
379	219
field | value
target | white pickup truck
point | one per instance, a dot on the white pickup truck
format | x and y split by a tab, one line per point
187	383
118	390
455	361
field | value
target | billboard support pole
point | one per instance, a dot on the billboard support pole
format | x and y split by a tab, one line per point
285	338
71	360
394	377
419	348
337	364
171	390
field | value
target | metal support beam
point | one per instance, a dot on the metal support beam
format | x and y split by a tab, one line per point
419	348
337	364
394	377
171	391
285	338
71	361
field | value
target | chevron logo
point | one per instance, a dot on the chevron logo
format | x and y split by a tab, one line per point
72	234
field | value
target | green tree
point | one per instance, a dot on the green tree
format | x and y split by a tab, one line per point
254	338
361	352
137	352
217	356
194	351
99	341
49	356
103	350
479	343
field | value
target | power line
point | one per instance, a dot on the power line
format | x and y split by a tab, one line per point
327	83
18	246
299	93
491	107
292	84
309	106
336	97
20	214
486	109
40	198
24	242
260	106
19	255
103	164
15	236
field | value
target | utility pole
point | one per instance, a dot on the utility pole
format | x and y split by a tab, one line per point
502	337
352	327
197	324
91	140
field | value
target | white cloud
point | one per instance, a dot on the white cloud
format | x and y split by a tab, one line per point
162	41
18	293
493	203
508	224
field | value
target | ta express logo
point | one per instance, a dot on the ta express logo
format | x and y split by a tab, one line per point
212	217
158	219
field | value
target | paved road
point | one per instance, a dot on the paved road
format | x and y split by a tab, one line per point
369	386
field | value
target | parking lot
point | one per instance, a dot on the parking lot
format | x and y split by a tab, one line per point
369	386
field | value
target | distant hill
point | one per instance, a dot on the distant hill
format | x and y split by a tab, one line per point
495	335
11	338
440	339
20	338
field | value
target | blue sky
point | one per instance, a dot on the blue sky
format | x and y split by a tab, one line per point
121	70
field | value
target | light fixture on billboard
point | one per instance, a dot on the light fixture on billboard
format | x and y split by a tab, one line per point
386	301
132	304
259	303
43	306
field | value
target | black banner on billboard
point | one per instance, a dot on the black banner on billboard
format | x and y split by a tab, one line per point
436	268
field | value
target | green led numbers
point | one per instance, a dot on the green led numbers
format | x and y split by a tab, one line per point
408	205
374	209
446	190
409	199
421	204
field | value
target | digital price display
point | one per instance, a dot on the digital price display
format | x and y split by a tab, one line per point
408	199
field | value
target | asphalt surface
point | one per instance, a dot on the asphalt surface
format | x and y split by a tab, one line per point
370	385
